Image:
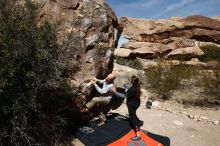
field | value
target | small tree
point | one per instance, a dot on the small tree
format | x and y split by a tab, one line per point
31	69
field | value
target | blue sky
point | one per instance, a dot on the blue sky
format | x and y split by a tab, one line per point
156	9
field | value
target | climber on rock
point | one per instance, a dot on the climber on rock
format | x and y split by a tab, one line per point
105	95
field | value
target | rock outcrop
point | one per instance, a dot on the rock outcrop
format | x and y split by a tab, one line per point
160	31
185	53
88	29
174	39
140	52
122	52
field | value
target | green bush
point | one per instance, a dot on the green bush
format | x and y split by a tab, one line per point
210	82
134	63
31	77
212	52
164	79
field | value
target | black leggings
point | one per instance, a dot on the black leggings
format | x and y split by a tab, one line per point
132	108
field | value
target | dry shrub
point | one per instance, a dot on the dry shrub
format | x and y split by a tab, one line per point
209	80
164	79
133	63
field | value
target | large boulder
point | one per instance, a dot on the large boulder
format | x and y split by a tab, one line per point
87	32
87	29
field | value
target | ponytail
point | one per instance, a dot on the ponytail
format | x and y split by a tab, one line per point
135	83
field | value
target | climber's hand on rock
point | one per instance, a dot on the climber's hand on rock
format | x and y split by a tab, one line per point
113	89
94	79
93	82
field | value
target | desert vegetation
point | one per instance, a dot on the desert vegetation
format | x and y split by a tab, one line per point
134	63
164	80
212	52
167	77
209	81
34	99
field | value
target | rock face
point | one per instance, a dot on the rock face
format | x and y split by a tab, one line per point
156	48
185	53
88	29
140	52
173	39
122	52
194	27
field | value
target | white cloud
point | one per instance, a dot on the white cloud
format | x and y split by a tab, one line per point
142	4
174	7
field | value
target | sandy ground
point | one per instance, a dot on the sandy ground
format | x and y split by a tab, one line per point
167	120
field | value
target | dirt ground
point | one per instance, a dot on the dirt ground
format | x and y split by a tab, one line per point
174	121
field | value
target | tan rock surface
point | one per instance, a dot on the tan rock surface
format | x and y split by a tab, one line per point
193	27
122	52
185	53
157	48
165	35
